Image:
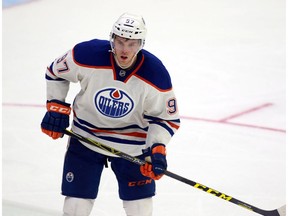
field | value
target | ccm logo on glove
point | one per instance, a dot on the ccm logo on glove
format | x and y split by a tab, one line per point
60	109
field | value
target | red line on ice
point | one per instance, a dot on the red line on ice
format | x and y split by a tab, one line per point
22	105
234	123
245	112
183	117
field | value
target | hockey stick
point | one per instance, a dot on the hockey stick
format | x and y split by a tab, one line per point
276	212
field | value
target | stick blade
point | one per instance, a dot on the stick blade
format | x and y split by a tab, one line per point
282	210
276	212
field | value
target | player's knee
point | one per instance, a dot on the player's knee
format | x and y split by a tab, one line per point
77	206
141	207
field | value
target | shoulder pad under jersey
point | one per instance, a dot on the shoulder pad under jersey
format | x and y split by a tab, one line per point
154	72
93	53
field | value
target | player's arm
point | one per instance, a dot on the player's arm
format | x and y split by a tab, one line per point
58	77
163	117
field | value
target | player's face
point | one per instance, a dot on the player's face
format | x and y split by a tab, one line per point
125	50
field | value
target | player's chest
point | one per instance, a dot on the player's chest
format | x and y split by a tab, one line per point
116	98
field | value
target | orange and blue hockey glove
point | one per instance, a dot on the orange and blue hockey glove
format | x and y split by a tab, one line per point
158	165
56	119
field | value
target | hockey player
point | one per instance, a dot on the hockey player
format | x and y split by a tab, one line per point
125	101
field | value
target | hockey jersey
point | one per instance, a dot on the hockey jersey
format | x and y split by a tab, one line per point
129	110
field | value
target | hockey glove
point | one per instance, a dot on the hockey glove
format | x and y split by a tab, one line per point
56	119
158	165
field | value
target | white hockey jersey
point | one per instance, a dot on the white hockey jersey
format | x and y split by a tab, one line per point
129	110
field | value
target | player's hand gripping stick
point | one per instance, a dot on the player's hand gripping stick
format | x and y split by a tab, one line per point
158	164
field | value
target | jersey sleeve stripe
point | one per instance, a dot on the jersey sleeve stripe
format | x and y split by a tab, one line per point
51	76
170	125
173	125
165	126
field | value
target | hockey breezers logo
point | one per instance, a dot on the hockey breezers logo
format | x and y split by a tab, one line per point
69	177
113	103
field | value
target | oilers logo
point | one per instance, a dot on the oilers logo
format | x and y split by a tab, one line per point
113	103
69	177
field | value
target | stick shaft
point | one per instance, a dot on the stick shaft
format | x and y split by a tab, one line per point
174	176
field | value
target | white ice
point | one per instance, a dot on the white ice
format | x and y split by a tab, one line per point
225	57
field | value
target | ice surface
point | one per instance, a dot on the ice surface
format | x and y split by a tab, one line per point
226	58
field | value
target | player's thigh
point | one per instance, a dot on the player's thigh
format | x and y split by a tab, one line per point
82	171
132	184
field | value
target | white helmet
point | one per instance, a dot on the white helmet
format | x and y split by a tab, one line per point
129	26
